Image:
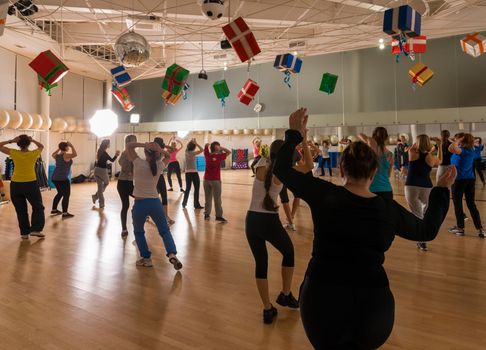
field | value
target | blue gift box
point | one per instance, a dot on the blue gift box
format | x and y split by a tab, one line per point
288	62
121	76
403	19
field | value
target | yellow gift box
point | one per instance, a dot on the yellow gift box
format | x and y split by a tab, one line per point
420	74
170	98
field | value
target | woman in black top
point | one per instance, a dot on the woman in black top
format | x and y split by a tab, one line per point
446	154
101	171
345	301
60	178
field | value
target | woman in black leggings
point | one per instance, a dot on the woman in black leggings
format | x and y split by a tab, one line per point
263	225
125	184
60	178
345	300
161	186
174	165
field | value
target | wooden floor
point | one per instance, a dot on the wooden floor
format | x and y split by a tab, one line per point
80	289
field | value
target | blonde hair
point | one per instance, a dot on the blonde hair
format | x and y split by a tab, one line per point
423	144
130	138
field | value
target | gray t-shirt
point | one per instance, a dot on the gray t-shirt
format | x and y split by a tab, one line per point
63	168
126	172
191	162
144	182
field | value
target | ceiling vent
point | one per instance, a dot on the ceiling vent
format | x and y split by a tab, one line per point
144	23
220	57
297	44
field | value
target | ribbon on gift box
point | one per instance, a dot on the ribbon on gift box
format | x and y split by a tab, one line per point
46	86
416	76
472	37
171	79
241	37
184	91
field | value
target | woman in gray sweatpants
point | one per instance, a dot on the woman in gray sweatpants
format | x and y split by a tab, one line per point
419	184
101	171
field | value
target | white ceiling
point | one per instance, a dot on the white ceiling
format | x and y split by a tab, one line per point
178	30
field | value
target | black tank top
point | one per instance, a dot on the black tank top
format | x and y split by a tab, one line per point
446	155
419	172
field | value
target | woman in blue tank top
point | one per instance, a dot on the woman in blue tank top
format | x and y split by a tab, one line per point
419	184
381	185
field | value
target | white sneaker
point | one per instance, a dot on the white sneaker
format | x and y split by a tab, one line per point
457	231
145	262
37	234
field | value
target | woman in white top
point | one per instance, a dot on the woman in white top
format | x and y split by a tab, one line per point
326	158
263	225
146	174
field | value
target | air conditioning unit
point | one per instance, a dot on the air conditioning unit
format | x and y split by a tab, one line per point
144	23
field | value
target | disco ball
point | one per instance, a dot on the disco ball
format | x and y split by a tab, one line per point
132	49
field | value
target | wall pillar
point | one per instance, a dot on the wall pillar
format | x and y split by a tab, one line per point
108	100
45	109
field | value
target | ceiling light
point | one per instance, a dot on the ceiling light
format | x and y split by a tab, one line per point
182	133
295	53
104	123
134	118
382	46
381	41
225	68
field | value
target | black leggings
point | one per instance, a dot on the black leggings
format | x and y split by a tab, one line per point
174	167
63	192
261	228
324	162
162	189
125	190
478	167
385	195
339	317
192	178
20	194
465	188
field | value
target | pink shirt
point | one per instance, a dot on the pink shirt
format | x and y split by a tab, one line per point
256	151
173	157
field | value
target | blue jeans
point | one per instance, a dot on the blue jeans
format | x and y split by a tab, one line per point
141	210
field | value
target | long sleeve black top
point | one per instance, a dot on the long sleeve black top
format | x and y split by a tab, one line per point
352	233
103	160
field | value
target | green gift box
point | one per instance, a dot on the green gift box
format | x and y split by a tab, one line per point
328	83
221	89
175	78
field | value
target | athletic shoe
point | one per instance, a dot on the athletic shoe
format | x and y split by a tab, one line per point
457	231
37	234
145	262
55	212
93	198
481	233
422	246
176	263
221	219
199	207
170	190
269	315
67	216
124	234
287	300
24	236
206	217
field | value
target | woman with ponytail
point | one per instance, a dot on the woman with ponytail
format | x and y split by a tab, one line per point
263	225
146	174
101	171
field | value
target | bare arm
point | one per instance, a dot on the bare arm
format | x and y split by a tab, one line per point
180	145
130	149
4	149
68	156
369	140
39	145
55	153
308	161
199	148
165	156
454	147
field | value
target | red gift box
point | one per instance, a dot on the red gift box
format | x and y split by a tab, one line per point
248	92
242	39
50	68
121	94
417	44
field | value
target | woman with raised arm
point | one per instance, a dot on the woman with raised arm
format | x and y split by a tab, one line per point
325	158
192	176
256	143
418	184
478	149
125	183
146	173
346	301
60	177
446	154
381	185
101	171
463	154
24	187
263	225
161	185
174	165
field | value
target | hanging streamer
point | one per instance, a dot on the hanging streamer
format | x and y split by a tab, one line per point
184	91
287	78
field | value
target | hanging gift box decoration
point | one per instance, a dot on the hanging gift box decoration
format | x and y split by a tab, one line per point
403	19
185	89
328	83
248	92
50	70
170	99
222	91
242	39
121	76
473	44
420	74
289	64
175	78
123	97
3	15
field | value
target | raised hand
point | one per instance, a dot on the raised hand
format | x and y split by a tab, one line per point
448	178
298	121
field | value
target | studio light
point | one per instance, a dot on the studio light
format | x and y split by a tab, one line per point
134	118
104	123
182	133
